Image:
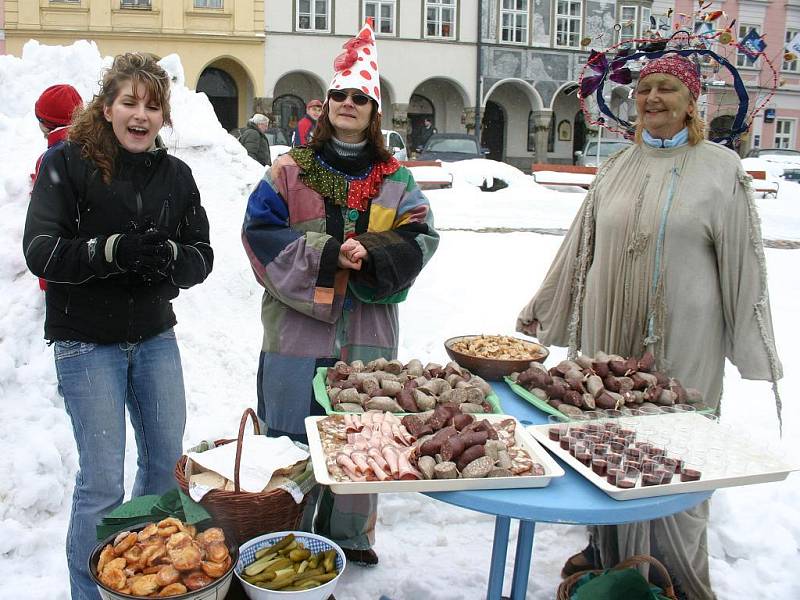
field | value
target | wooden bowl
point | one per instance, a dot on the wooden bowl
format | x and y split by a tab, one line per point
492	368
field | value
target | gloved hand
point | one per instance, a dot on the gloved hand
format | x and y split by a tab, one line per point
143	253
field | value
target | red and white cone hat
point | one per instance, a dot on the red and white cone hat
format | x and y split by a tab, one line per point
357	67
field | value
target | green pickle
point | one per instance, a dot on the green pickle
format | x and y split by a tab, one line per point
289	566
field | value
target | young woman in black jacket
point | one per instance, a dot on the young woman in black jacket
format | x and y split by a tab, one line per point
115	227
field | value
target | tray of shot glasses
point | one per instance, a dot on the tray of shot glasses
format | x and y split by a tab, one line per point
657	455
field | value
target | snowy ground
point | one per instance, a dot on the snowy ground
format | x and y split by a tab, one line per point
476	282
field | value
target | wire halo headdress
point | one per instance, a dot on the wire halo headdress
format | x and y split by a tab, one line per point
598	70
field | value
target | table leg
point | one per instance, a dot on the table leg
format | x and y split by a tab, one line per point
498	565
522	560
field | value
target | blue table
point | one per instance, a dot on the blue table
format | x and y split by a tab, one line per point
570	499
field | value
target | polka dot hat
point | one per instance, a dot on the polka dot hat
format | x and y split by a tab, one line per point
357	67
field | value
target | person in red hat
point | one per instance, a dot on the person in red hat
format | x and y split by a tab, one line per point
54	110
305	126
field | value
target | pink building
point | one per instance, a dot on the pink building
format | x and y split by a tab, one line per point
777	21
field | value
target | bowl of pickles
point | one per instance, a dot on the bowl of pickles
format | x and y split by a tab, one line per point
289	564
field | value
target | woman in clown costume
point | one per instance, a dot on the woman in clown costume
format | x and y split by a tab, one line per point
336	232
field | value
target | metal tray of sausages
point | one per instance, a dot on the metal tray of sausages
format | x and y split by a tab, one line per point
522	439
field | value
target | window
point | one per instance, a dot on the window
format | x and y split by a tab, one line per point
383	13
741	58
134	3
568	23
514	21
644	22
791	65
440	18
627	23
531	133
312	15
784	136
208	3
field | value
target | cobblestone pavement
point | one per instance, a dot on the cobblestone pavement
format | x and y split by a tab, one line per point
779	244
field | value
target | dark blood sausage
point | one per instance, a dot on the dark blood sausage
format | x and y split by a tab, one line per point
470	454
483	425
405	398
461	420
454	446
442	414
433	446
414	425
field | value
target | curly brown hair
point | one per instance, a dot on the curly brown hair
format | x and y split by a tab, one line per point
90	128
324	131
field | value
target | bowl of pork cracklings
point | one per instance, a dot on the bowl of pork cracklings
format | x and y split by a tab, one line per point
494	356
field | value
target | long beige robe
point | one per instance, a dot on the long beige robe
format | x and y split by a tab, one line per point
709	301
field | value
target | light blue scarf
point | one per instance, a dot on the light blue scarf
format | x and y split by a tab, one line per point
681	139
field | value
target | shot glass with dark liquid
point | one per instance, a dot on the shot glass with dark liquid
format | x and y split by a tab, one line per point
652	473
611	474
600	459
556	428
583	452
692	469
627	477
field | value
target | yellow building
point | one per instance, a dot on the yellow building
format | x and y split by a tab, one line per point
220	42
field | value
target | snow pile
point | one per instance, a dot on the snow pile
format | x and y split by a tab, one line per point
524	204
39	458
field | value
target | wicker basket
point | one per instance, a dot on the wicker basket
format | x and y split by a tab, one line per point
247	514
567	587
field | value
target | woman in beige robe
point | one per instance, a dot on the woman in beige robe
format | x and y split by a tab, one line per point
664	255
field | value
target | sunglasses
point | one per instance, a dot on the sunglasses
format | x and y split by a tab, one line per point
340	96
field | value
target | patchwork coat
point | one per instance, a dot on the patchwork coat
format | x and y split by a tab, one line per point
314	313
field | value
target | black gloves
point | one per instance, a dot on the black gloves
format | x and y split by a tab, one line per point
143	253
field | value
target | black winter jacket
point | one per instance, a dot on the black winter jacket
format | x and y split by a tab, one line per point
73	223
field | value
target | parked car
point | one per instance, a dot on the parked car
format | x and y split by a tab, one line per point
770	152
791	175
588	156
452	147
394	142
779	162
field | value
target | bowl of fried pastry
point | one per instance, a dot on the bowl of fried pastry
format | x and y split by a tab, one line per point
167	559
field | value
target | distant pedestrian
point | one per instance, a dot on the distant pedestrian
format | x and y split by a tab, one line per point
306	125
253	139
425	133
54	110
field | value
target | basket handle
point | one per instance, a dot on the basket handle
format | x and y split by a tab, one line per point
634	561
240	441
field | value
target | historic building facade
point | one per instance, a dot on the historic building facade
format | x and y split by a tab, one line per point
220	42
514	83
426	55
778	22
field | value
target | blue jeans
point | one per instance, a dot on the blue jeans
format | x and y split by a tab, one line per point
98	381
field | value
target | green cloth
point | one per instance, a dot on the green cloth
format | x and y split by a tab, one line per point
615	585
145	509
